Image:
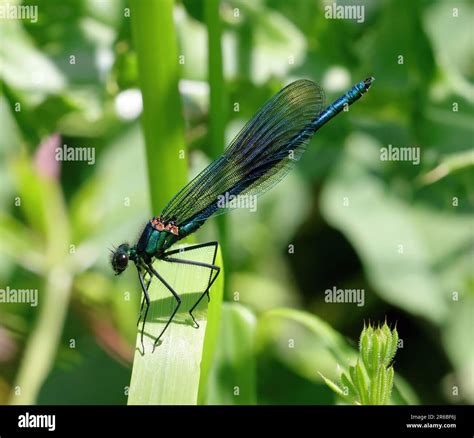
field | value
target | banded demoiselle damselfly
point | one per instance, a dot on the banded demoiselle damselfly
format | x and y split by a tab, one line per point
259	157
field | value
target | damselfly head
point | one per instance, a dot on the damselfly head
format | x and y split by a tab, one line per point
120	258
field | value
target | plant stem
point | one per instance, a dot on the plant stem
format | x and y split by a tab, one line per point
217	101
154	38
42	345
47	212
217	108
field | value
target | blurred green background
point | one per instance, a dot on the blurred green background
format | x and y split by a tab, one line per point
72	78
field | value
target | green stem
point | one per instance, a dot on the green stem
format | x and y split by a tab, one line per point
217	108
41	348
45	210
217	101
244	49
154	39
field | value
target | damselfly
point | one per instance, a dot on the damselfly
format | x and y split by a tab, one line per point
259	157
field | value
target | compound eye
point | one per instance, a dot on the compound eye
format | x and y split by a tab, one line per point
120	261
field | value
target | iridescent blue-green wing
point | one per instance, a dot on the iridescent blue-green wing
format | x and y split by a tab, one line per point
260	156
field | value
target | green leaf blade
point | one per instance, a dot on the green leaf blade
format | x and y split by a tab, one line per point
171	374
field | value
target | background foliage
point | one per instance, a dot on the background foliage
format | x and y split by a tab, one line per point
57	240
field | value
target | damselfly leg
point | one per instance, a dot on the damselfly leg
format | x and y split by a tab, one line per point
213	269
152	271
147	285
146	298
172	257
